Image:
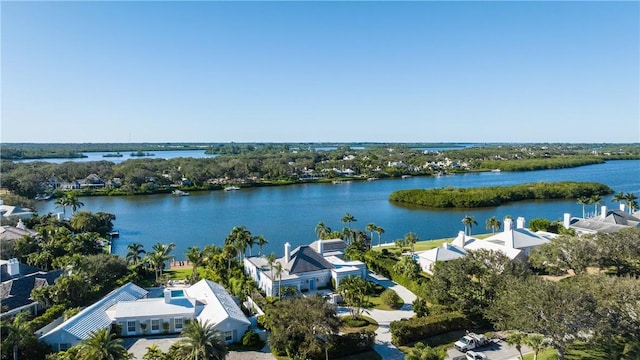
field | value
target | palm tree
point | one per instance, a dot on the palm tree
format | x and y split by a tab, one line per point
101	345
618	198
516	338
250	241
153	353
348	218
411	239
322	230
194	255
134	254
596	200
379	231
74	203
536	342
159	257
421	351
468	221
493	224
18	332
271	258
62	202
630	198
347	235
202	342
371	227
239	238
584	200
278	268
83	221
261	241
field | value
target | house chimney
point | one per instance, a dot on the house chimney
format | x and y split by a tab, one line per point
460	240
520	222
167	295
320	246
567	220
508	224
622	207
287	252
13	267
603	212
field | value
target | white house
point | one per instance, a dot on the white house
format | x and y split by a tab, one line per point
137	314
515	243
608	221
307	268
446	252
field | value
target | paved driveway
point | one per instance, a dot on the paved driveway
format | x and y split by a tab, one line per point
383	345
497	350
138	347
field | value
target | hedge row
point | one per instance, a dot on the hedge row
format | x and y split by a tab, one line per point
410	330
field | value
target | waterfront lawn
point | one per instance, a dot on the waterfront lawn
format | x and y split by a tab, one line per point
178	274
427	244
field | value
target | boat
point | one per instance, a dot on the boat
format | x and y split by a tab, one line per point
341	182
372	179
43	196
231	188
496	170
114	234
406	176
180	193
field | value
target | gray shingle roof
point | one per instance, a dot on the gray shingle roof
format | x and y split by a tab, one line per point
305	259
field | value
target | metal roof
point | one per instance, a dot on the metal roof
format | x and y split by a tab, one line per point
95	317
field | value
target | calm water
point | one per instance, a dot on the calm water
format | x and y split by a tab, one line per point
126	155
290	213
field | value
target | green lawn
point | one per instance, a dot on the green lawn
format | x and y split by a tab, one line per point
428	244
576	352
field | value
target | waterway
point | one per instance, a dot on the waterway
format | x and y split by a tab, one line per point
126	155
290	213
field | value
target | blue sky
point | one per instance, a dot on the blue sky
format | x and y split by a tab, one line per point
320	71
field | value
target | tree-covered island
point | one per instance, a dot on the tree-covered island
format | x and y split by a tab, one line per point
450	197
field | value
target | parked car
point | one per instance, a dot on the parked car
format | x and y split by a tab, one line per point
471	341
473	355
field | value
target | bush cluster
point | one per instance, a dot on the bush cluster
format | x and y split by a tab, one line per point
350	344
414	329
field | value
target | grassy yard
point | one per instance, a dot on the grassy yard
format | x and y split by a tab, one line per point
576	352
428	244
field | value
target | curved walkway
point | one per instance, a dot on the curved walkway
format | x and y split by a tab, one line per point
383	345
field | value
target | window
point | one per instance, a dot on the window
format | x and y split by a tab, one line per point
64	346
228	336
131	326
155	325
177	322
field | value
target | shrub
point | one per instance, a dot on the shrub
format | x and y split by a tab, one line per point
47	317
251	339
414	329
354	322
391	299
420	307
349	344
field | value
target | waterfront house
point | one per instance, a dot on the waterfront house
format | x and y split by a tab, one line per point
446	252
18	281
12	233
134	311
306	268
607	221
515	243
